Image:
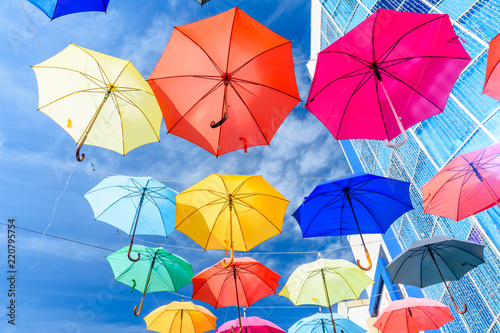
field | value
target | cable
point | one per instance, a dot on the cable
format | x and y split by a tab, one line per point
32	28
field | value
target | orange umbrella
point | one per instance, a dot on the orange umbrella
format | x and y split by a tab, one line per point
492	80
225	83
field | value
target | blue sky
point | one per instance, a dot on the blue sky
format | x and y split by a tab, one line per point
71	288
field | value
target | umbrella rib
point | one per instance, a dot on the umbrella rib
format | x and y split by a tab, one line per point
263	85
115	102
226	204
432	321
265	217
195	43
369	212
196	210
311	273
350	287
241	229
463	250
446	263
258	55
85	75
243	287
230	40
464	180
206	77
261	279
103	73
250	112
401	60
337	198
70	94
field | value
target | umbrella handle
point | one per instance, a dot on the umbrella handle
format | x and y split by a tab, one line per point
396	145
456	307
214	124
130	249
79	157
226	265
369	262
137	313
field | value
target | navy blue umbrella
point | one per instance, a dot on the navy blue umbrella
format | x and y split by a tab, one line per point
434	260
359	203
56	8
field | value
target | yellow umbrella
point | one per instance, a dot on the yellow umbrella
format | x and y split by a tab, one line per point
98	99
178	317
230	212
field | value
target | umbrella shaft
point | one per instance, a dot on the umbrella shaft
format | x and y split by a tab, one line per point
328	299
94	117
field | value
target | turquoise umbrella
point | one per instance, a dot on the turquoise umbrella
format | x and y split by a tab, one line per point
322	323
139	205
157	270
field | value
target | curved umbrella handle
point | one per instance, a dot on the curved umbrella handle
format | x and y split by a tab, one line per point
369	262
456	307
137	313
79	157
214	124
226	265
232	331
130	249
396	145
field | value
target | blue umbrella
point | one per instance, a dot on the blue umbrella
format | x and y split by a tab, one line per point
436	259
139	205
56	8
359	203
322	323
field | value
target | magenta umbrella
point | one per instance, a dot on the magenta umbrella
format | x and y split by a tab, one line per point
250	325
390	72
413	315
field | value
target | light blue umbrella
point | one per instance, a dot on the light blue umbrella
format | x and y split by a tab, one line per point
322	323
138	205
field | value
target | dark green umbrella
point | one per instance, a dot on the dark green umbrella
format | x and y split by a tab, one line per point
436	259
156	270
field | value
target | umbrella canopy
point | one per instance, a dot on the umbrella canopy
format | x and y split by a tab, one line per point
492	80
230	212
138	205
467	185
243	283
157	270
55	8
381	77
412	315
180	317
360	203
98	99
436	259
322	323
325	282
202	2
225	83
250	325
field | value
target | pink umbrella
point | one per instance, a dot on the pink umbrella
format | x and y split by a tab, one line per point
250	325
390	72
467	185
413	315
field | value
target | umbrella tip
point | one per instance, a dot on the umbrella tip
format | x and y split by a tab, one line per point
319	255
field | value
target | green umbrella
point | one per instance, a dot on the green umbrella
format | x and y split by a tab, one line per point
156	270
325	282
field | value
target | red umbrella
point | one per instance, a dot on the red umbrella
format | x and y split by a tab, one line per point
390	72
492	81
413	315
467	185
243	283
225	83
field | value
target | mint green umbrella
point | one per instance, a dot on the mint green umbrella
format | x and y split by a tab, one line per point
156	270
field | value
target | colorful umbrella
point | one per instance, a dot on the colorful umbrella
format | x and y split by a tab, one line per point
390	72
434	260
465	186
157	270
138	205
243	283
98	99
413	315
322	323
360	203
325	282
230	212
225	83
251	325
492	80
202	2
55	8
180	317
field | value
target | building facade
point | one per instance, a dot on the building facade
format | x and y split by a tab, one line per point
470	121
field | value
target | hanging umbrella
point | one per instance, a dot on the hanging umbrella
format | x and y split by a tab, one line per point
98	99
467	185
138	205
390	72
202	2
243	283
55	8
157	270
251	325
322	323
412	315
180	317
434	260
360	203
325	282
230	212
225	83
492	80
